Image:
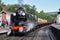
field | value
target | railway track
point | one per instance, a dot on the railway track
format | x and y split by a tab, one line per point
38	34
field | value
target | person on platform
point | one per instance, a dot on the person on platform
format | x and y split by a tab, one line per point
4	20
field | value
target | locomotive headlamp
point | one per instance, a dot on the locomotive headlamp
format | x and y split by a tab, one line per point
23	14
14	14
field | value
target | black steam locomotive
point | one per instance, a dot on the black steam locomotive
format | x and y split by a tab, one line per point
22	22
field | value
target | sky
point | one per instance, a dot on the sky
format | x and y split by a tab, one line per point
45	5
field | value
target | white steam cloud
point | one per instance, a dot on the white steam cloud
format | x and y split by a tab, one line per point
20	2
30	26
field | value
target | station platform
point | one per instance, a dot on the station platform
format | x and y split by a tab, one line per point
55	29
3	30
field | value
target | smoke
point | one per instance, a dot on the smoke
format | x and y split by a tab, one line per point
20	2
30	26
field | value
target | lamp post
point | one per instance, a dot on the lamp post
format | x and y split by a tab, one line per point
59	11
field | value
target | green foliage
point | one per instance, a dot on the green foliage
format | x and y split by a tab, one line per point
27	7
11	8
1	6
45	16
31	10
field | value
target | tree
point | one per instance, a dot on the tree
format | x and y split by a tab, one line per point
11	8
33	10
0	5
28	8
42	11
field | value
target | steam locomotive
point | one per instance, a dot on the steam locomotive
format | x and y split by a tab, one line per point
21	22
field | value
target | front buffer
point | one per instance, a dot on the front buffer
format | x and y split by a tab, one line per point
16	30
